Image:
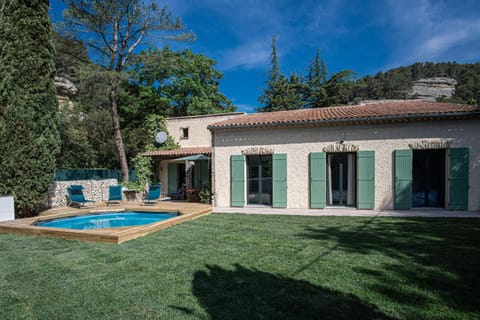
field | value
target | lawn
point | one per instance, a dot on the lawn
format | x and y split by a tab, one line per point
252	267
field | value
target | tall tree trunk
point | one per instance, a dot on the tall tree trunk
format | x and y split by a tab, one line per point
118	134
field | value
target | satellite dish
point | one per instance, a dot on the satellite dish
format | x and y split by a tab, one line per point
161	137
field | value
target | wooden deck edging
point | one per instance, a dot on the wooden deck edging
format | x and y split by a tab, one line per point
186	210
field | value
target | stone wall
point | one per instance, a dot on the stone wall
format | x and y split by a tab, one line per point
96	190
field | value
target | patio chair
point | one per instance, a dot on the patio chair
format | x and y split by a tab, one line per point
75	196
153	194
114	195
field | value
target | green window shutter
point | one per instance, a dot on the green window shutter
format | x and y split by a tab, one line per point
172	178
279	172
458	179
366	180
237	180
318	180
403	179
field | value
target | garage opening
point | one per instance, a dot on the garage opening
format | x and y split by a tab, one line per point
428	175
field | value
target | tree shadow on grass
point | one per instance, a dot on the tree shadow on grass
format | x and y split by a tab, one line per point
244	293
427	258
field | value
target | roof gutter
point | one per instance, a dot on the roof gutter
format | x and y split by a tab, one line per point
418	117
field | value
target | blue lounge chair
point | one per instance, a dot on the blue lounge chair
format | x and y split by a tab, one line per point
114	195
153	194
75	196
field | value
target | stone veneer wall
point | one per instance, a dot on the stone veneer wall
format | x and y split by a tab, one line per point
96	190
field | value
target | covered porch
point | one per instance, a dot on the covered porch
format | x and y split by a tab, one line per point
183	172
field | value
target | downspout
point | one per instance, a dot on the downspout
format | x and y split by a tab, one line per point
212	170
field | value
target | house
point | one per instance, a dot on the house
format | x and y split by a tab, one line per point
381	155
386	155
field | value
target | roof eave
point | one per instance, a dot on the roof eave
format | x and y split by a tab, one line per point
362	120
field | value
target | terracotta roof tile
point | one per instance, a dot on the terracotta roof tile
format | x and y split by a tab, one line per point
181	152
382	111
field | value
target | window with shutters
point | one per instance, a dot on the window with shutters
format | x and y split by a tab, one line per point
259	179
341	179
428	178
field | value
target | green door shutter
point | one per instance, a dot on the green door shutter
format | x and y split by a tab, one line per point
458	179
366	180
172	178
318	180
237	180
279	173
403	179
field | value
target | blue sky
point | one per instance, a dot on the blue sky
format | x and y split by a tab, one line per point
364	36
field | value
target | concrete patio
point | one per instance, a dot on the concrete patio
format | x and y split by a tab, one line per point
345	211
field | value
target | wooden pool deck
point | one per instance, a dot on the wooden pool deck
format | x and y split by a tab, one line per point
187	211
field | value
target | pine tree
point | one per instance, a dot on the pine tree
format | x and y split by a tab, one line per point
114	30
29	139
294	95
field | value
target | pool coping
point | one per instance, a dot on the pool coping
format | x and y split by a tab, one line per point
27	226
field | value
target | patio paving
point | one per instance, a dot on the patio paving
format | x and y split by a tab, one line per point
417	212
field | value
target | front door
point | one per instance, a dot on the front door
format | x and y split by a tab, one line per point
341	179
259	177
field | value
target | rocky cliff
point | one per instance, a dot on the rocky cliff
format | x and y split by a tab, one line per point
433	88
65	91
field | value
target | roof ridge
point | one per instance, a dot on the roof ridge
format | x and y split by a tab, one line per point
381	110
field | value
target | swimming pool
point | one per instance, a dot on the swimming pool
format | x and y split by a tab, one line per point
107	220
182	212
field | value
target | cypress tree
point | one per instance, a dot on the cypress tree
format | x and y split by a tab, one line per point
317	76
281	93
29	139
276	83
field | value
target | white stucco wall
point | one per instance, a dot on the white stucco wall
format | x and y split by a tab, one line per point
297	143
198	134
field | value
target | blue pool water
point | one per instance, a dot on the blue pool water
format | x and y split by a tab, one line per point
107	220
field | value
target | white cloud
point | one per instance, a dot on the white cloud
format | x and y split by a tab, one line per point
246	56
428	31
456	33
245	108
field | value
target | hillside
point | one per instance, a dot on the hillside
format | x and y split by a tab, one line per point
398	83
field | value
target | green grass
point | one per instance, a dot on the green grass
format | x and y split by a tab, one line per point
252	267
